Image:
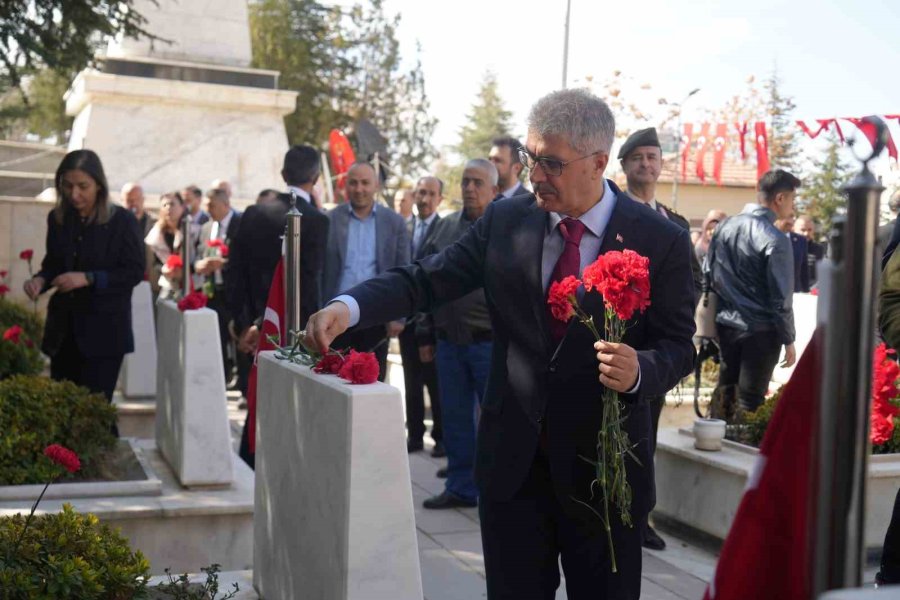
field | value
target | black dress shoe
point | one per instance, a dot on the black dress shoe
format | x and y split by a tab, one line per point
441	473
447	500
652	540
438	451
414	446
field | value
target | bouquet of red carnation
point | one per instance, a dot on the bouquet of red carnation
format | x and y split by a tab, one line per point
174	262
623	279
218	247
193	301
885	374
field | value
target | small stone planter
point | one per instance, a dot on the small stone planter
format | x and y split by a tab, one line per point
708	434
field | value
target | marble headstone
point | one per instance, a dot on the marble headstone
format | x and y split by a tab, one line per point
138	376
333	509
192	430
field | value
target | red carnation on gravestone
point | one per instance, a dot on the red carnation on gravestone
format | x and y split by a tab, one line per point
193	301
12	334
63	457
174	262
360	367
4	289
26	254
3	274
331	364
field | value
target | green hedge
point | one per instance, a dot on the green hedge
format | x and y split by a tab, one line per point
12	313
68	555
36	412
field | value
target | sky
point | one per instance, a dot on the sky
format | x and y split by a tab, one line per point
834	57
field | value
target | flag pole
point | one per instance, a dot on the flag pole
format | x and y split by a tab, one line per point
292	273
837	538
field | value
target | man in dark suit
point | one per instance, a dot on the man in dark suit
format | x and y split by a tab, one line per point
815	251
505	156
542	408
363	241
800	249
418	365
257	248
211	265
641	160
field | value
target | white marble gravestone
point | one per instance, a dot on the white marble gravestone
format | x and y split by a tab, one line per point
186	108
805	321
192	431
138	378
333	509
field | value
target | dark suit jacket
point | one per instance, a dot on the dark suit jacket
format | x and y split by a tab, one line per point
888	239
520	190
206	231
800	247
98	316
256	249
428	233
392	245
533	385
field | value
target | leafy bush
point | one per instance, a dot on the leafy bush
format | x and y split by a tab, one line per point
12	313
19	356
36	412
750	427
68	555
181	588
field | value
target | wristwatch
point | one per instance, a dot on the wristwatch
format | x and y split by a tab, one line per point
90	278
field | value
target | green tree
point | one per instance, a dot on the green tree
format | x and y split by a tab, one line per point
784	146
821	197
59	34
488	118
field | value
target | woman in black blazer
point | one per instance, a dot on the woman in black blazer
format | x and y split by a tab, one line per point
94	259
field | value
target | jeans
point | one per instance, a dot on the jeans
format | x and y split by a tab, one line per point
462	377
748	361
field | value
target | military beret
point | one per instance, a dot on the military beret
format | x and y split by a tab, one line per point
643	137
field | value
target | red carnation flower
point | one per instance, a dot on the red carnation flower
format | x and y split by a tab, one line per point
882	429
26	254
63	457
12	334
814	291
219	245
360	367
623	278
562	299
193	301
4	289
3	274
330	364
174	262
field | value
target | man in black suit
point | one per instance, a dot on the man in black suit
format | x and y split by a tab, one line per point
257	248
211	265
418	364
815	251
641	160
800	249
505	156
542	408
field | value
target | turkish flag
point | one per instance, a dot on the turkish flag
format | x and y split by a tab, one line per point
868	130
271	326
702	145
741	128
762	150
719	155
766	553
823	126
686	148
824	123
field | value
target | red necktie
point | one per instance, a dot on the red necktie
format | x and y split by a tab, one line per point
569	263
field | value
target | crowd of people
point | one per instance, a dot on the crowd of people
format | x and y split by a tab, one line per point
464	293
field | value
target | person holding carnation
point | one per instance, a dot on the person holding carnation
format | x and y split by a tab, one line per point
164	241
94	259
542	409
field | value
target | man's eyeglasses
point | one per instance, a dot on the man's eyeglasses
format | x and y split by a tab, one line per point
550	166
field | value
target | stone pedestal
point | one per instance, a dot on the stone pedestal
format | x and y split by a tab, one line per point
192	415
334	514
138	377
805	320
185	110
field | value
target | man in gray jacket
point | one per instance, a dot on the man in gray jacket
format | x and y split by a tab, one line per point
752	271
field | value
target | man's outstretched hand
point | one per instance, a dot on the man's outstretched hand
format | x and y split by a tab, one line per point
325	325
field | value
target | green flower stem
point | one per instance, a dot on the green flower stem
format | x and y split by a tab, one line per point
30	516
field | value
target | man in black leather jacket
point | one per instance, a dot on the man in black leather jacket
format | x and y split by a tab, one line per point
752	271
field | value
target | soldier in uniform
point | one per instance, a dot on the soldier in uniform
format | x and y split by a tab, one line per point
641	159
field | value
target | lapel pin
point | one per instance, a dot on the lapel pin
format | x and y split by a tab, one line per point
619	238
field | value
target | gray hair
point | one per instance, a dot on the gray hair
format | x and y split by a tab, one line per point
576	115
488	166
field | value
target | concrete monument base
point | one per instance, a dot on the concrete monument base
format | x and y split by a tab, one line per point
138	376
333	493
